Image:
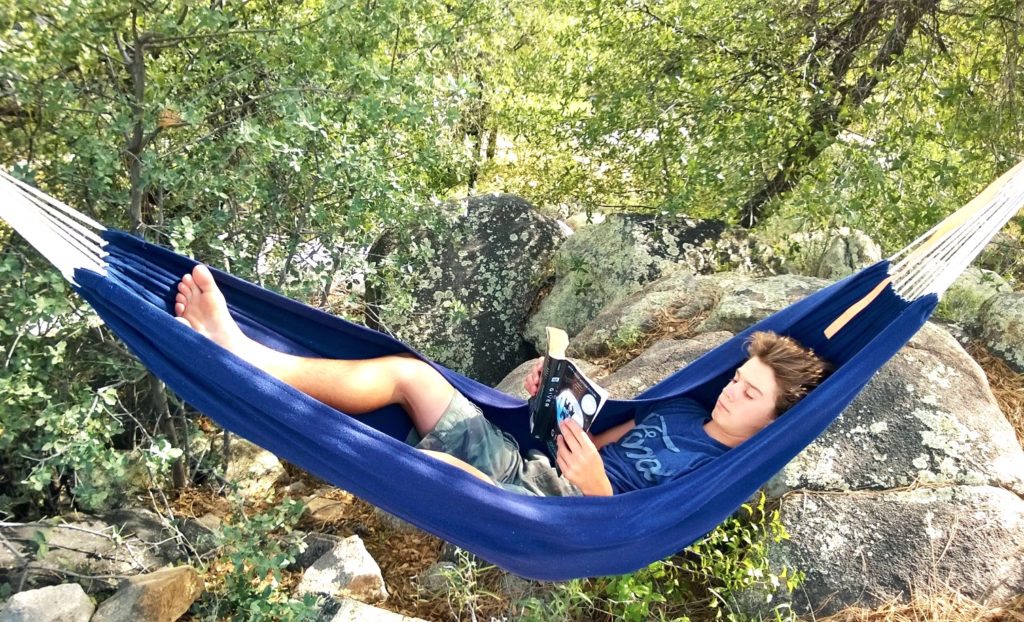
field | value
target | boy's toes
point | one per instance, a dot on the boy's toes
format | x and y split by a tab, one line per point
191	289
179	310
180	298
203	278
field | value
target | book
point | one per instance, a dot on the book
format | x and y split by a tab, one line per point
564	392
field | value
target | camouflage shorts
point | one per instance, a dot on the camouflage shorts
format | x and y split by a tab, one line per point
465	433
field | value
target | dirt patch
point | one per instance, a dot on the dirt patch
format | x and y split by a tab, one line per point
667	326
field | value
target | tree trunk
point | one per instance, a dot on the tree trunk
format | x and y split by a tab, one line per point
826	117
159	409
135	59
136	142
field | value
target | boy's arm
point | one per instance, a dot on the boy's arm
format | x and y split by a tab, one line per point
613	434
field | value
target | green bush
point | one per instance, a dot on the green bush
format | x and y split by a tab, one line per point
725	576
255	549
65	391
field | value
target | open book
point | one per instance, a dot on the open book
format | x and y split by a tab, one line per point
564	392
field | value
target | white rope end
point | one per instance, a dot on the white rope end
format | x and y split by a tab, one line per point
67	238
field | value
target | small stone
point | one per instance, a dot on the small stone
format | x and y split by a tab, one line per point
515	587
254	469
201	532
296	489
325	510
161	596
435	580
394	523
347	569
317	545
58	603
355	611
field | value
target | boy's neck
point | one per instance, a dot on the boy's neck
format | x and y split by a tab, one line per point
715	431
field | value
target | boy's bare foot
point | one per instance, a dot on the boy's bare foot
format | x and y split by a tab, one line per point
201	305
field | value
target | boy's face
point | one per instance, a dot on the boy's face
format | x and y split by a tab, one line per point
747	403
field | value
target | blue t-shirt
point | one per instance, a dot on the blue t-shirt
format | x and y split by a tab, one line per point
668	441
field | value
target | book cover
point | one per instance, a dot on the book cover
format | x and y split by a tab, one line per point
564	392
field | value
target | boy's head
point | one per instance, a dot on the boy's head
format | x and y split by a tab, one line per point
797	369
778	373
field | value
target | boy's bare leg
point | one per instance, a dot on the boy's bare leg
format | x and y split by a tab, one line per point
352	386
465	466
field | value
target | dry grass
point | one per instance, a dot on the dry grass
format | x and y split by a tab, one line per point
1007	386
945	606
667	326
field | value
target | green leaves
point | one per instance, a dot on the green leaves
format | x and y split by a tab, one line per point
281	139
257	548
278	141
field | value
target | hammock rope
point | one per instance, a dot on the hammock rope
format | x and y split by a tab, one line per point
935	260
857	323
66	237
929	265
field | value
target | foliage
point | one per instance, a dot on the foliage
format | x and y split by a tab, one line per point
62	407
727	575
255	549
733	565
280	140
274	140
566	600
694	108
464	585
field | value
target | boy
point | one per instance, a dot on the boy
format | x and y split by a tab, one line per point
661	443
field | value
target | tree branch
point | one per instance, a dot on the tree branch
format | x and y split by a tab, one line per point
825	116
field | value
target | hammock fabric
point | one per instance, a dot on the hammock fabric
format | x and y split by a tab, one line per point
131	284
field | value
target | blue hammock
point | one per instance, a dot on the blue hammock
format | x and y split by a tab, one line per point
132	288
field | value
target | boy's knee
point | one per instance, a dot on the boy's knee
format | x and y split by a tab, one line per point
413	375
408	371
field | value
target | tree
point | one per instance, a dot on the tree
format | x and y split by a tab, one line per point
250	135
829	113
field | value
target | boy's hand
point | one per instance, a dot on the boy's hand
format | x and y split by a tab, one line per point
579	461
532	381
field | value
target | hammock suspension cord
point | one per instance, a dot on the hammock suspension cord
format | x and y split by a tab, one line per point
935	260
63	235
929	265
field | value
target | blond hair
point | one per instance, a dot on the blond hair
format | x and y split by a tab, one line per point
797	369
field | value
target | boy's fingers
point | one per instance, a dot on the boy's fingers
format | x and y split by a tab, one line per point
562	464
570	431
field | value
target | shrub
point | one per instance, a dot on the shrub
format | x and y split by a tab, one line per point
725	576
248	572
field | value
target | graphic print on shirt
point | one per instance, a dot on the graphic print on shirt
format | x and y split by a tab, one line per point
638	447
